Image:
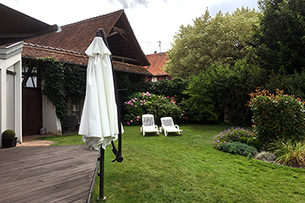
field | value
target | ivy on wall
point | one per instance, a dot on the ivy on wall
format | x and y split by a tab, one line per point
60	82
63	81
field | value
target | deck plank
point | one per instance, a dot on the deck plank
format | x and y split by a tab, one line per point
46	174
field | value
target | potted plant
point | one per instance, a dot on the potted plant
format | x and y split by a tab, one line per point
9	139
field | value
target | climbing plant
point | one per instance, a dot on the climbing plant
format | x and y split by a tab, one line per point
60	81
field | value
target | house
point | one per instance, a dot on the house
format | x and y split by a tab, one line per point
68	47
15	27
157	61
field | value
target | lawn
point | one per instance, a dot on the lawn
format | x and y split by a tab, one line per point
187	169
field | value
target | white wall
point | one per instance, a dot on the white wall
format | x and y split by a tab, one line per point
49	119
10	90
10	101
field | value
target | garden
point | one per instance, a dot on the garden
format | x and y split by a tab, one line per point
238	95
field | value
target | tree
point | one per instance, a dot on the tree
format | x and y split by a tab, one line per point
209	40
220	93
279	40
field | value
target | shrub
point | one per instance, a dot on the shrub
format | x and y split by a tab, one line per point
243	140
8	134
238	148
290	153
265	156
230	135
253	141
171	88
277	116
143	103
220	93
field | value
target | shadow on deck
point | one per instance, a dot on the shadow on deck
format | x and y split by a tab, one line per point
46	174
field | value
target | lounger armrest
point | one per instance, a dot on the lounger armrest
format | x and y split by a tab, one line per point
156	127
177	126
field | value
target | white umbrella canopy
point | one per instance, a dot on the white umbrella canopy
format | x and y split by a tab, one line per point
99	121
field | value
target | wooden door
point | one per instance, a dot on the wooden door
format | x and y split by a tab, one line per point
31	110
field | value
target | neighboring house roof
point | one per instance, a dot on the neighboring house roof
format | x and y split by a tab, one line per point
157	61
75	38
16	26
33	51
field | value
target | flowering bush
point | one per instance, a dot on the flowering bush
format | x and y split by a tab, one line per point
143	102
277	116
231	135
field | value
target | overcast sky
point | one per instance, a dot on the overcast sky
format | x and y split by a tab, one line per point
151	20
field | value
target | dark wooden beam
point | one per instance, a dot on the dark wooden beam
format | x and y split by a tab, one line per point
125	58
120	30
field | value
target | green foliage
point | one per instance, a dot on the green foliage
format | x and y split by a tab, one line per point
279	41
60	81
209	40
231	135
8	134
291	84
253	141
131	84
171	88
142	103
238	148
277	116
243	140
221	93
163	107
290	153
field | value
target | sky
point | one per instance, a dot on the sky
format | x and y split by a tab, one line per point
153	21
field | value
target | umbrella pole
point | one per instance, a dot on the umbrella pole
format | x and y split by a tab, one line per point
101	174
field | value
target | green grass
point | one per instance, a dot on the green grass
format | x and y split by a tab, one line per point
187	169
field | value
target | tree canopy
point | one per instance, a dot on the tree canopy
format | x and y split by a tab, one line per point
279	39
209	40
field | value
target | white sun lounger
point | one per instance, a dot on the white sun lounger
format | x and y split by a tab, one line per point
148	124
168	126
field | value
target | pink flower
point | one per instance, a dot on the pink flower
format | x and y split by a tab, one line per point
128	123
131	121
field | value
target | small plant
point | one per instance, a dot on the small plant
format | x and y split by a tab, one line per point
265	156
238	148
8	134
290	153
243	140
231	135
253	141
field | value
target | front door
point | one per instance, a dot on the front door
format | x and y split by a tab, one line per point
31	102
31	111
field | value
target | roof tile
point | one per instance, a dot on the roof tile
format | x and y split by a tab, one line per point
34	51
157	61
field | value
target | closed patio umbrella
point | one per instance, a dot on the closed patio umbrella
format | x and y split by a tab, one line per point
99	121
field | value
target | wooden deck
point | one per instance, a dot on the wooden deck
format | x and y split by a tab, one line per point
46	174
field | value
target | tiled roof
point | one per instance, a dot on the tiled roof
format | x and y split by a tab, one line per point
34	51
157	61
78	36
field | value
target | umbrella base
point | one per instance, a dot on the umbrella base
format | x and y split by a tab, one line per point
101	199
